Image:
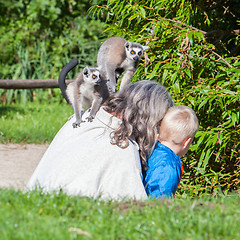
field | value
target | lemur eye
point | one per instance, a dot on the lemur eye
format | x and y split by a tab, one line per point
132	52
139	53
94	76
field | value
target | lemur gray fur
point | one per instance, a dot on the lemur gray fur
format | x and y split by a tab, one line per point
88	90
115	56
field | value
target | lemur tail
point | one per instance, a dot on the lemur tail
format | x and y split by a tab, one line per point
62	76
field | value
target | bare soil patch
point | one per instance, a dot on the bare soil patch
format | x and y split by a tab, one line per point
18	162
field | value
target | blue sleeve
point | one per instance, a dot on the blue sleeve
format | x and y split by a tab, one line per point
162	181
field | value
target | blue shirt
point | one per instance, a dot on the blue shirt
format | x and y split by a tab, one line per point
164	172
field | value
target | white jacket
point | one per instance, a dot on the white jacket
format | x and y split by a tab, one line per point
82	161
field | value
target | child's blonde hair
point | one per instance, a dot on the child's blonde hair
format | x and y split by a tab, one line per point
179	123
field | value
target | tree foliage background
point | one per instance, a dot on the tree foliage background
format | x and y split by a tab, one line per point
194	51
38	37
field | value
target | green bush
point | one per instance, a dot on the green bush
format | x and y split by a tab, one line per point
196	72
39	37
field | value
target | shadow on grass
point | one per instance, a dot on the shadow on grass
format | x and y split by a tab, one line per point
9	110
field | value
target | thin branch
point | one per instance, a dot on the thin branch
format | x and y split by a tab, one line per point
198	30
184	24
222	33
229	65
232	32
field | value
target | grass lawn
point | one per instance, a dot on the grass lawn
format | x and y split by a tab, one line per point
32	122
39	216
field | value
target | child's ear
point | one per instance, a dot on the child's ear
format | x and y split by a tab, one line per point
187	142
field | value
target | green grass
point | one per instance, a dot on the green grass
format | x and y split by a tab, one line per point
33	122
39	216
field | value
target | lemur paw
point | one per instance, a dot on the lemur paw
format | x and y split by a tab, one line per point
90	118
77	124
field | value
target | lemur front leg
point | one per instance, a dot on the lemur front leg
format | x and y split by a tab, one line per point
111	78
97	101
126	79
78	110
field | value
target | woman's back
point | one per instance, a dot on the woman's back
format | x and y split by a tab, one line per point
94	166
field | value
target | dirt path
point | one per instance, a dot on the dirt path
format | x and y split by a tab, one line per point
17	163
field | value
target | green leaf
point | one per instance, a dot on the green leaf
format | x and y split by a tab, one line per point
203	102
176	87
165	73
188	72
207	157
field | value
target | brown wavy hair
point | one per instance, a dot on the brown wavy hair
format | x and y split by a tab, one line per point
141	107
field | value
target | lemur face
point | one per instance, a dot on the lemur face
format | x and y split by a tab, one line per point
91	76
134	51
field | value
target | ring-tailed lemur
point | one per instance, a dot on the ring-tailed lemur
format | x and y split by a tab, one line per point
88	90
115	56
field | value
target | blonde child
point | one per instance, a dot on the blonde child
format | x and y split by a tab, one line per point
177	131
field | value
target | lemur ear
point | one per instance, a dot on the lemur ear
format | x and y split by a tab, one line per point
127	45
145	48
85	71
